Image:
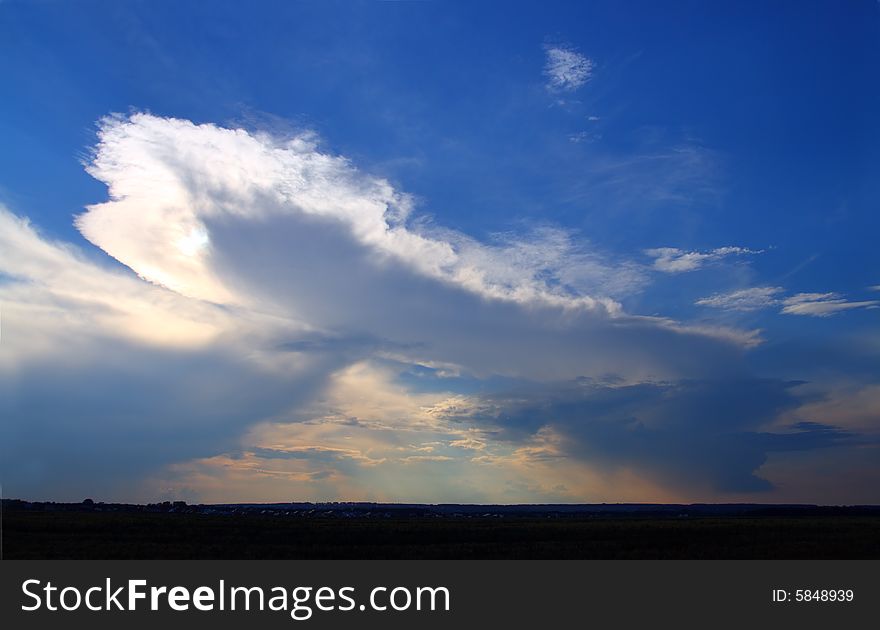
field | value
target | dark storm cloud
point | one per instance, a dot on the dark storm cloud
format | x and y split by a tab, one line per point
689	433
100	423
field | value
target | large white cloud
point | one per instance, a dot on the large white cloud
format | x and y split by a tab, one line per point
168	178
279	227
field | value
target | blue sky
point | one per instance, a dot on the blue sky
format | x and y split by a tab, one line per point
555	242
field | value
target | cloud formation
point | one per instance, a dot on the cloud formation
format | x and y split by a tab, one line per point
104	377
750	299
822	304
809	304
566	69
674	260
169	179
268	212
283	317
698	434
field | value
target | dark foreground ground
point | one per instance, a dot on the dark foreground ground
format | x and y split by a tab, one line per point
33	534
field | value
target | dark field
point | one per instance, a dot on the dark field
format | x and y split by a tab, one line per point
93	535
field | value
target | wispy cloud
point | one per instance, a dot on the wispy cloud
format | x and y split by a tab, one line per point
583	136
674	260
744	299
822	304
565	68
810	304
678	175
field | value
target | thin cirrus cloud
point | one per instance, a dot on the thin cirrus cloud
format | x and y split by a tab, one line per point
822	304
807	304
275	292
675	260
566	69
750	299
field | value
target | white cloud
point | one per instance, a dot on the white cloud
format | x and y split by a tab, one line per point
168	178
812	304
744	299
822	304
674	260
283	228
259	239
566	69
52	290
